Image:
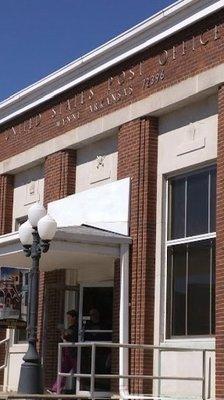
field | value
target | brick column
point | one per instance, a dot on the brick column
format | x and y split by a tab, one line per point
6	206
59	182
137	159
220	251
59	176
116	319
6	203
54	307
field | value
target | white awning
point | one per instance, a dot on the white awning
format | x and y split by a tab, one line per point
72	247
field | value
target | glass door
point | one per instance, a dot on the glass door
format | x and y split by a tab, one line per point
95	325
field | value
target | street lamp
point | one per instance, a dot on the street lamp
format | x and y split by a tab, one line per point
35	235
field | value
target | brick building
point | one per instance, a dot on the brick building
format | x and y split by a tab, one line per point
124	146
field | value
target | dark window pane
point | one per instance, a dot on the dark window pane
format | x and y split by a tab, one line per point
198	314
179	290
213	202
213	291
177	209
169	291
197	204
20	335
26	299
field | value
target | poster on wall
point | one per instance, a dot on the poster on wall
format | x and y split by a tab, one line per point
13	297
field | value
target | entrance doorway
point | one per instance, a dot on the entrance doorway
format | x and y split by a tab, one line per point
95	324
94	303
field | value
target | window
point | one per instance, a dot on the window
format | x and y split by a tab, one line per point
20	221
191	254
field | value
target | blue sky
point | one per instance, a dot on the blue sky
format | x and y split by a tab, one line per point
39	36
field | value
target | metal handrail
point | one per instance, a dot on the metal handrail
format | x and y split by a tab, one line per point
133	346
92	375
5	342
8	396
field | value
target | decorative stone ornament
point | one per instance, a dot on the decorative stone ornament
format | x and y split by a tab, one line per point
100	161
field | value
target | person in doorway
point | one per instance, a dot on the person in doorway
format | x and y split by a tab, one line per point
97	326
71	333
94	322
97	330
69	354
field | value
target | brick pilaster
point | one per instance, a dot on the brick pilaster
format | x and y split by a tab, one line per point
6	207
54	299
116	319
59	182
137	159
59	175
6	203
220	251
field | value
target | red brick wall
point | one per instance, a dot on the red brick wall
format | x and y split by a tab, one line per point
6	203
137	146
6	206
189	59
116	319
53	315
137	158
59	182
59	175
220	251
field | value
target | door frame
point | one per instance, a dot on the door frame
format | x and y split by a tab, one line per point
82	286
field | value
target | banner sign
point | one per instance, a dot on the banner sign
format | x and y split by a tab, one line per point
13	297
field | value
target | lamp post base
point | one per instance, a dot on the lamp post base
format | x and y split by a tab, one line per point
31	378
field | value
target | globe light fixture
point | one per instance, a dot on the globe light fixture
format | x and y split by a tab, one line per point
26	233
35	213
35	236
47	227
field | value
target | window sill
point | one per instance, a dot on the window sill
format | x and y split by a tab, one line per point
197	343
